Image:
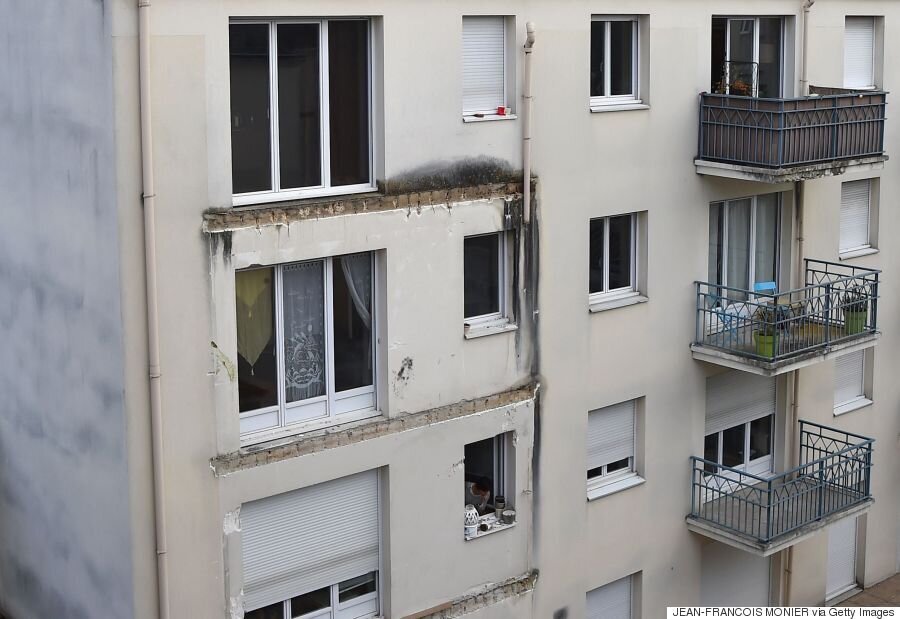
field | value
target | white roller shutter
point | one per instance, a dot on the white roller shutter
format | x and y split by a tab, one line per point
610	434
859	52
849	374
737	397
310	538
483	64
612	601
855	200
841	570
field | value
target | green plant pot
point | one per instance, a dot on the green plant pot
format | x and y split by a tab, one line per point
855	322
765	344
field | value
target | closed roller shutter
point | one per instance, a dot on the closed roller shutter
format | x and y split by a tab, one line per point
859	52
612	601
736	397
849	373
610	435
841	570
855	200
310	538
482	64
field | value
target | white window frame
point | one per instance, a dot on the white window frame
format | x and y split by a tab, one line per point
332	401
493	112
503	481
626	291
755	20
868	243
864	397
874	85
635	96
758	466
607	482
336	606
502	315
324	188
752	257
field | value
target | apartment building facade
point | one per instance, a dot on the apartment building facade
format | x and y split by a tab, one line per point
668	353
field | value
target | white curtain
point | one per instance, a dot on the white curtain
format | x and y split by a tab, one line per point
357	270
738	243
304	330
766	237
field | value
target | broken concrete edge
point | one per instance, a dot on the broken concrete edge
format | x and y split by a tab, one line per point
351	433
487	595
775	176
283	213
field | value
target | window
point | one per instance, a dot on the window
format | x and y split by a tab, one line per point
485	276
483	64
855	215
859	52
489	474
612	601
305	343
850	382
613	256
747	55
610	443
743	241
293	566
740	422
300	108
614	60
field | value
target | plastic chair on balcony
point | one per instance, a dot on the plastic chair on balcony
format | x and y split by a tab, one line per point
729	314
765	288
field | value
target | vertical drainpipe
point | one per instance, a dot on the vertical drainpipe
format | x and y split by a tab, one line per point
527	100
149	203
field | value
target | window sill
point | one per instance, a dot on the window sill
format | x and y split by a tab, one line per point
265	439
501	325
853	405
619	107
601	305
857	253
496	526
599	490
472	118
263	198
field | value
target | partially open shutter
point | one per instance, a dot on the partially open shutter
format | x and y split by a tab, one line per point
610	435
859	52
310	538
482	64
855	199
737	397
841	569
849	372
612	601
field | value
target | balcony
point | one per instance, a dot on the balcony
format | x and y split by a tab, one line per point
780	140
770	333
764	515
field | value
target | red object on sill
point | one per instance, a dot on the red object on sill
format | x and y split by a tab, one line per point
501	110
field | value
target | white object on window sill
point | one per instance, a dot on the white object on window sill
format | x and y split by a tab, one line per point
471	118
618	107
856	253
852	405
600	304
501	325
265	197
597	489
496	526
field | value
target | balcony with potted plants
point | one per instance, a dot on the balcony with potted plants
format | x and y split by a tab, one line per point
768	332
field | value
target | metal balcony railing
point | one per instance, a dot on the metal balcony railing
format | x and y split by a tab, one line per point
784	133
839	303
833	476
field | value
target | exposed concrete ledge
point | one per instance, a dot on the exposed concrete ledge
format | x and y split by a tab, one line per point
791	174
283	213
485	596
764	368
766	549
348	434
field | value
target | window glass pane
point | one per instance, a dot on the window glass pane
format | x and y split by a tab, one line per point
304	331
715	243
621	39
733	446
481	271
598	46
479	474
738	243
618	465
770	57
310	602
766	237
596	255
717	55
711	450
257	370
355	587
352	276
620	252
251	164
761	437
348	101
299	133
595	472
272	611
741	66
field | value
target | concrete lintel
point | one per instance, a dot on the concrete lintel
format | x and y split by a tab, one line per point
762	549
783	366
791	174
487	595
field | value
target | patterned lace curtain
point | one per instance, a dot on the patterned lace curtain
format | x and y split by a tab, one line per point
358	275
304	331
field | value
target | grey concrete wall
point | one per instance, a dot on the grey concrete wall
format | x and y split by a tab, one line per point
64	511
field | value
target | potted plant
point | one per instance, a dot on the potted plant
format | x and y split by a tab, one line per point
765	334
855	304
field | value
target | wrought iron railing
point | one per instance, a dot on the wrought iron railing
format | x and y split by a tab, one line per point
833	476
779	133
839	303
